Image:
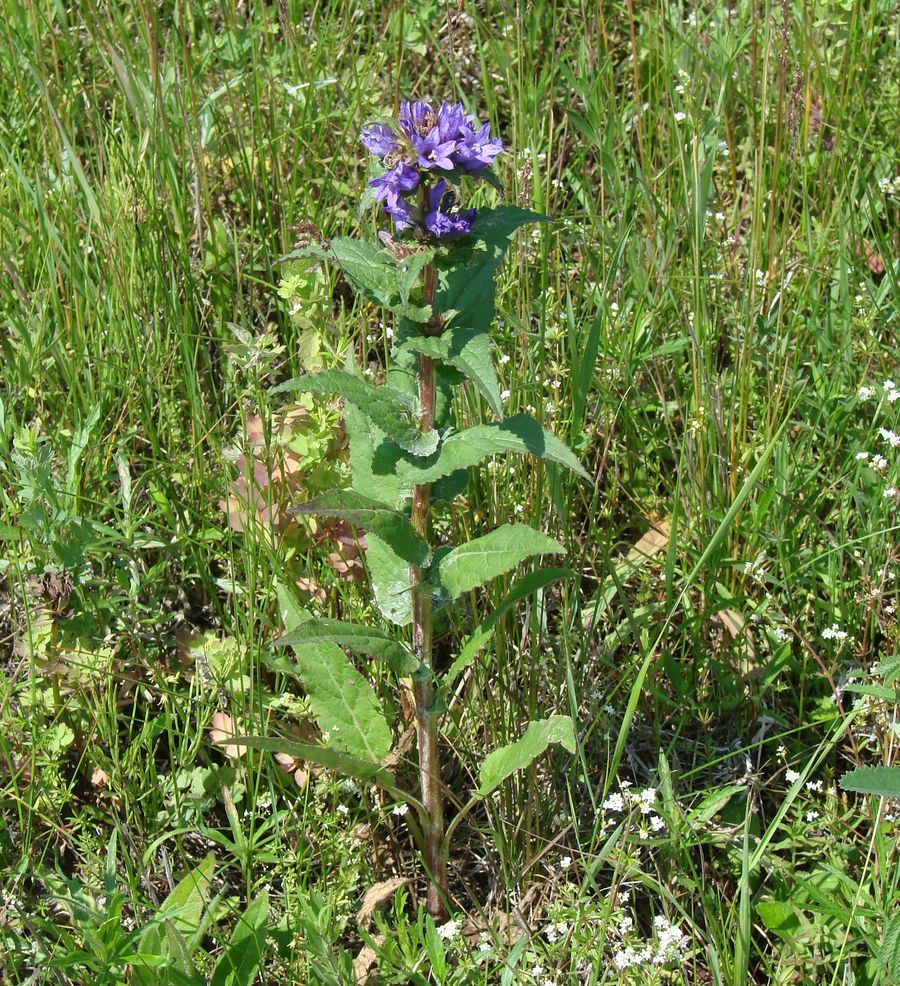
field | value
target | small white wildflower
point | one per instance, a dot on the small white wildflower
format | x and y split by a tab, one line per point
890	493
892	438
780	634
720	217
450	929
343	810
722	147
879	462
865	393
791	776
400	810
537	970
834	632
615	802
862	456
625	925
679	116
504	395
889	385
811	816
565	862
656	823
504	359
893	396
814	786
760	277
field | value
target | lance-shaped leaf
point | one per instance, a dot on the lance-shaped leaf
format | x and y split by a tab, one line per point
326	756
391	585
483	559
500	764
356	638
390	525
883	781
394	413
342	701
463	449
483	633
469	350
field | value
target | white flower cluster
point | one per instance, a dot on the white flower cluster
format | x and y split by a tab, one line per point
889	186
644	801
669	945
834	632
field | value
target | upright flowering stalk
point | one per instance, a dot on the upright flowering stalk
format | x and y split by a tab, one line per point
435	273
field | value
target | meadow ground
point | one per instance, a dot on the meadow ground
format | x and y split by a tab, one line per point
710	321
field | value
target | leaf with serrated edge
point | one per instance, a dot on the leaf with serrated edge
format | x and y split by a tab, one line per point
374	517
390	581
881	781
342	701
493	554
463	449
356	638
500	764
373	460
389	410
469	350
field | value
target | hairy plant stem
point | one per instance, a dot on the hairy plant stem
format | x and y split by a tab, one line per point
423	684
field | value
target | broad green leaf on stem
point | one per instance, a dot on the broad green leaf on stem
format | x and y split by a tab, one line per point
390	580
358	639
324	756
394	413
371	450
500	764
403	374
376	273
468	287
882	781
390	525
483	559
484	632
469	351
345	707
463	449
342	701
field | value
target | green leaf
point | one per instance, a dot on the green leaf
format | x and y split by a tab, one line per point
881	781
390	580
483	634
376	273
392	412
484	558
468	287
328	757
469	351
778	916
342	701
390	525
464	449
500	764
243	954
356	638
179	916
889	953
373	460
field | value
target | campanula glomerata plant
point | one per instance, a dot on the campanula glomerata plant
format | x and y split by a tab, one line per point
435	273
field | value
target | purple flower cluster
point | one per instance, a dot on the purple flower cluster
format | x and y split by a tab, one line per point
446	139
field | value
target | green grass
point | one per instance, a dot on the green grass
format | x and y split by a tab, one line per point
696	323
